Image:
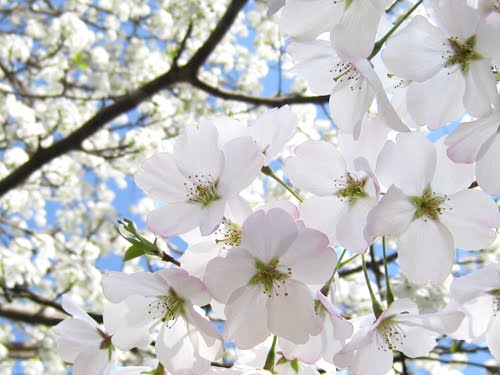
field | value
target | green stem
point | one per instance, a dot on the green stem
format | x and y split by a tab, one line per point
326	288
268	172
343	264
271	356
379	43
377	309
388	292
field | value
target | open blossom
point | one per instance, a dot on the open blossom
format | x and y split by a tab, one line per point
400	327
345	194
83	342
454	59
477	295
198	181
187	342
429	209
479	141
336	330
263	281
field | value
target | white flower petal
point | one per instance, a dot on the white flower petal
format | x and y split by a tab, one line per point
493	338
118	285
476	283
186	286
323	214
70	306
91	362
471	216
488	167
174	219
455	17
211	216
480	88
426	252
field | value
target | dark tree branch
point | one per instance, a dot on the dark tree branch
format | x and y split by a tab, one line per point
128	102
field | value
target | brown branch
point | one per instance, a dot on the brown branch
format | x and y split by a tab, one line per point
128	102
257	100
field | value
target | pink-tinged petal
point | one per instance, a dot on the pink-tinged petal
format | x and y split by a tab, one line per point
426	252
493	338
468	138
398	165
195	259
197	152
450	177
315	167
125	336
488	167
229	129
118	285
177	352
323	214
368	355
71	307
291	315
384	106
187	287
417	342
310	352
204	335
455	17
487	37
225	275
477	317
161	178
132	370
355	35
272	130
309	258
91	362
74	337
247	304
415	53
349	101
400	306
471	216
476	283
392	215
440	323
287	206
351	227
243	161
314	62
268	235
237	210
422	103
306	19
480	88
174	219
211	217
363	337
140	311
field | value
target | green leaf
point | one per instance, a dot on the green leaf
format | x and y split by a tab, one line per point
295	365
132	252
79	61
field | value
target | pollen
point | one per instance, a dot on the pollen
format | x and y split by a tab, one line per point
167	308
228	234
430	205
271	277
349	188
461	53
202	189
390	335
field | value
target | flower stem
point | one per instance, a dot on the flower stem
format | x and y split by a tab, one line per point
326	288
271	356
379	43
268	172
377	309
388	293
160	370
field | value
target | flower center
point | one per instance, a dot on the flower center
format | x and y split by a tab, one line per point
496	301
202	189
230	234
270	278
429	205
346	72
167	308
349	188
389	335
462	53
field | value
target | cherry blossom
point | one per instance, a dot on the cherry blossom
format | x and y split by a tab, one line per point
453	58
198	181
429	209
83	342
477	295
478	141
400	327
265	279
187	342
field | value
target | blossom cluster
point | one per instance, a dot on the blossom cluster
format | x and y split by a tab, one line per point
270	272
